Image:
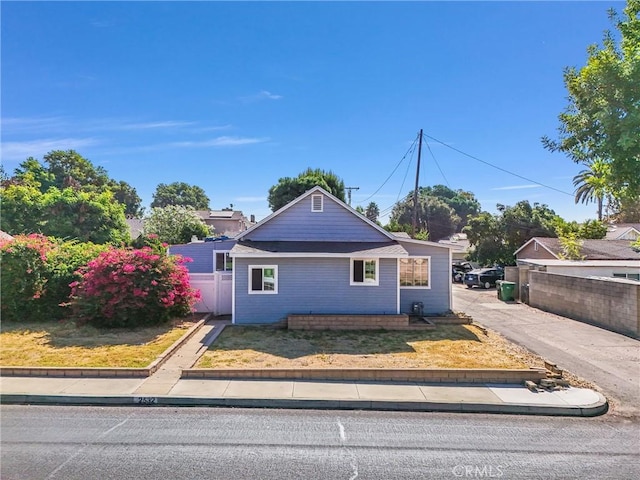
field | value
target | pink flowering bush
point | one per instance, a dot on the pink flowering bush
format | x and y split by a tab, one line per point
130	288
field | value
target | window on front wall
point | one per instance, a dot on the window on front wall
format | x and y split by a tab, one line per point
364	271
224	263
263	279
414	272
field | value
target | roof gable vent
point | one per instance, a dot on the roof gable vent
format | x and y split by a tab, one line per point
317	203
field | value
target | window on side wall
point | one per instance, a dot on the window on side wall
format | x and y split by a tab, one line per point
364	271
414	272
263	279
224	263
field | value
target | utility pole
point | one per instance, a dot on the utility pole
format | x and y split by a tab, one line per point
348	189
415	190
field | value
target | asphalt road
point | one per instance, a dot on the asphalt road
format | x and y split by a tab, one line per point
49	442
608	359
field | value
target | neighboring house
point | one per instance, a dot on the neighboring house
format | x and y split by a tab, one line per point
318	255
459	246
226	222
602	258
623	231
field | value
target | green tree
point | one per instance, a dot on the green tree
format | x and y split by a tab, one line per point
175	224
625	210
602	119
434	216
591	229
180	194
495	238
288	188
68	169
463	203
372	212
69	214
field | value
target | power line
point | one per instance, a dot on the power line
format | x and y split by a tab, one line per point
391	174
499	168
437	164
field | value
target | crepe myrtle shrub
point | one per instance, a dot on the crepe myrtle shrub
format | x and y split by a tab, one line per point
128	288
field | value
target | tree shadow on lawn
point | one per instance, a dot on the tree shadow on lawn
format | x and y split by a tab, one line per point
66	333
293	344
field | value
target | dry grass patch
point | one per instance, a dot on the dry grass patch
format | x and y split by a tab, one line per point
448	346
63	344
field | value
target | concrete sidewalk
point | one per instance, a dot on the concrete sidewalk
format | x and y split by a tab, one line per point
488	398
165	387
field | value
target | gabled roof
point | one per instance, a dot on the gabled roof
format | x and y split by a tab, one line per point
616	231
364	219
220	214
591	249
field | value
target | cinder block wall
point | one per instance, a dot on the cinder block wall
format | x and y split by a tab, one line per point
612	304
511	274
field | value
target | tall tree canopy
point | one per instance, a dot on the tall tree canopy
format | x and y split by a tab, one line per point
180	194
69	214
68	169
602	119
495	238
435	217
289	188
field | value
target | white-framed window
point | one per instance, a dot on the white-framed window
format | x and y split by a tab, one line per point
415	272
364	271
317	203
224	263
263	279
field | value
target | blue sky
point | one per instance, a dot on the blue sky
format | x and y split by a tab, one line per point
233	96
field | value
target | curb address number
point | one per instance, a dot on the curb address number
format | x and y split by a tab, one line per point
145	400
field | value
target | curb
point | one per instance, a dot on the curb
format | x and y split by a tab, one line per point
599	408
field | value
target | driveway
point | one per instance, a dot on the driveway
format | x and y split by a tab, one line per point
608	359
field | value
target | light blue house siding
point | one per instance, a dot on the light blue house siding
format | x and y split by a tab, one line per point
313	285
436	299
334	224
202	254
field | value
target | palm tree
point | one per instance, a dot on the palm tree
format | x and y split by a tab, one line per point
592	185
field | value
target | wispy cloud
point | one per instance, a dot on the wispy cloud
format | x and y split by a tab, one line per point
155	125
38	148
517	187
262	95
220	142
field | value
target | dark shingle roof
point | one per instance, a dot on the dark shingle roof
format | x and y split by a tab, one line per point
345	248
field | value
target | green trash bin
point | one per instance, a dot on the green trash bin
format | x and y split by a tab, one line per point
507	289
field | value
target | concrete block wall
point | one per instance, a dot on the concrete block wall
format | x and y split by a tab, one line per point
612	304
347	322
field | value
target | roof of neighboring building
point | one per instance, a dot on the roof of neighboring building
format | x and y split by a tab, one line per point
591	249
373	249
457	242
617	230
220	214
579	263
401	234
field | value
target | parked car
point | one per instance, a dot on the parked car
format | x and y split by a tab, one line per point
458	270
483	277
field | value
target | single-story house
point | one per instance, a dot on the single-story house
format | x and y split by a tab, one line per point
318	255
460	246
602	258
